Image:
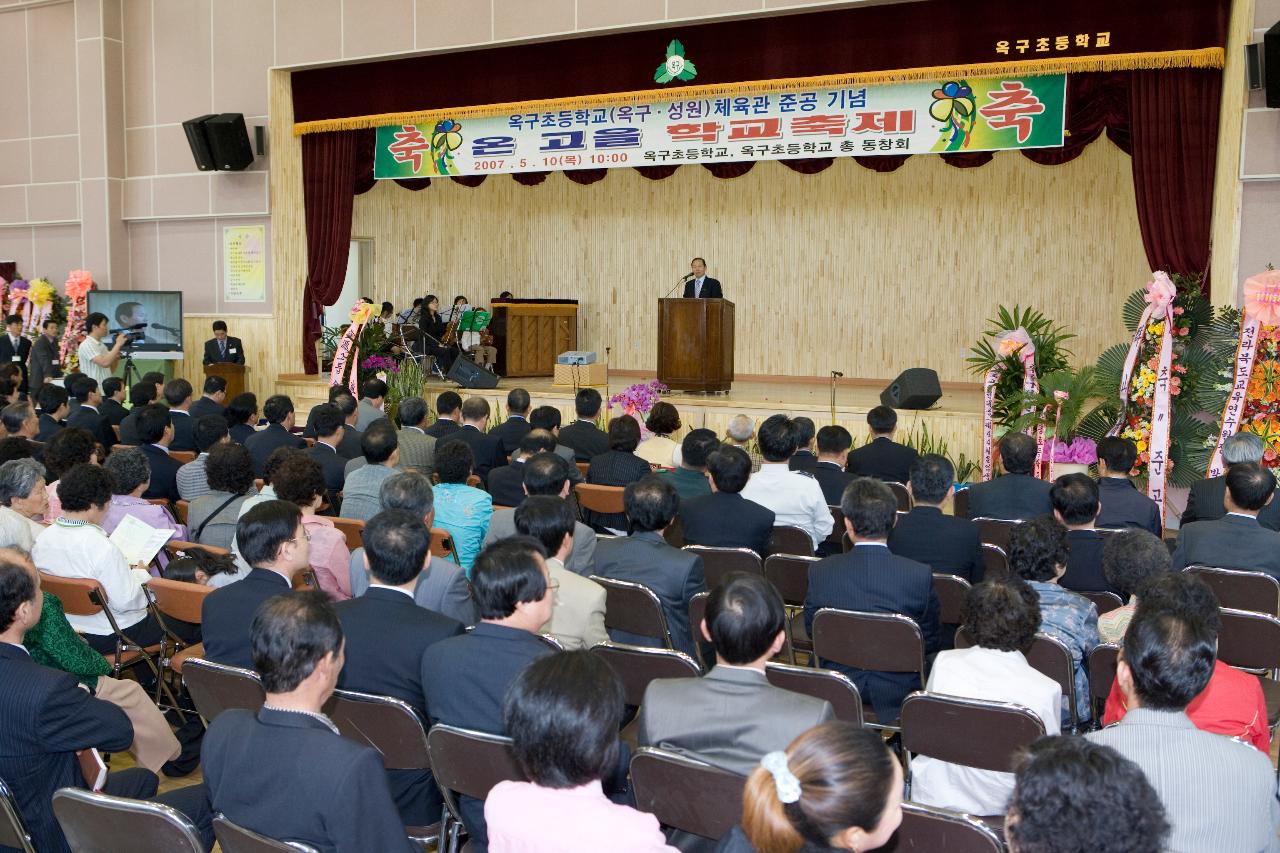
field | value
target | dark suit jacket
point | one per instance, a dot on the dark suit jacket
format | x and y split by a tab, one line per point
96	423
227	613
1207	501
1010	496
803	460
870	578
212	353
44	718
483	446
1230	542
263	442
184	430
724	520
614	468
7	353
331	463
48	428
710	289
349	445
240	433
43	363
506	484
441	428
510	433
129	428
288	776
884	459
586	439
675	576
1084	563
465	678
1124	506
164	473
832	478
115	412
202	406
946	544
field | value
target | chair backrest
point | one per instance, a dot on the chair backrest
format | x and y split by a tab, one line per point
835	687
685	793
1102	669
634	608
789	574
995	531
971	732
100	823
1103	600
636	666
719	562
164	502
442	544
216	687
233	838
952	590
995	562
180	510
602	499
79	596
698	612
173	546
582	467
900	492
183	456
178	599
13	832
352	529
1249	640
469	762
786	539
837	534
1049	656
674	534
881	642
960	505
387	724
929	829
1256	591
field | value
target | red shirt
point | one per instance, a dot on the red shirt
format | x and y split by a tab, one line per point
1232	704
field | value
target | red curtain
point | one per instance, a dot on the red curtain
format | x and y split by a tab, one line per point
658	173
328	178
472	181
1095	102
809	165
1173	116
585	176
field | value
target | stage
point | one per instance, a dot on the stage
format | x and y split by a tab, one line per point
955	420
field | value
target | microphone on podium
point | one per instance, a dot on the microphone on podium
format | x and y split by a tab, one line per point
677	284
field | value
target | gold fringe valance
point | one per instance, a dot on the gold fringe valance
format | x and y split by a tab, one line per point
1209	57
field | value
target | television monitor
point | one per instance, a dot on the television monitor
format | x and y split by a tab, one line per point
155	316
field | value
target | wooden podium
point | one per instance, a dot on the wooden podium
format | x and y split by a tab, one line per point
233	373
530	333
695	344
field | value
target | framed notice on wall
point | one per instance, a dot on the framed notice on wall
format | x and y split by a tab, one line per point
244	263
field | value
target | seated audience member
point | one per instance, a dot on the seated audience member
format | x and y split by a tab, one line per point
212	519
373	399
724	518
274	542
381	451
803	459
466	677
836	787
644	557
20	426
1016	494
1075	504
577	618
794	496
130	472
659	449
1219	795
1038	555
586	439
510	432
52	400
177	395
739	433
335	391
278	410
75	546
1131	559
417	449
1122	504
300	481
548	418
548	474
155	432
882	457
47	717
113	401
284	771
1072	795
1207	499
463	510
1002	617
16	447
23	501
442	586
388	636
618	466
1237	540
242	417
689	478
485	448
947	544
872	579
67	449
200	567
732	716
327	422
349	441
506	483
140	394
192	478
829	468
212	400
87	415
562	714
1233	703
448	416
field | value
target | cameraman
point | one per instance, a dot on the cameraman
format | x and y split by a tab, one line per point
96	360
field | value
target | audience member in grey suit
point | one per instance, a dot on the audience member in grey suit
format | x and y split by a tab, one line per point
732	716
1237	540
373	396
1206	500
442	586
417	449
548	474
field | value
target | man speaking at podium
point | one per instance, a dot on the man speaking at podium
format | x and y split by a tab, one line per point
700	285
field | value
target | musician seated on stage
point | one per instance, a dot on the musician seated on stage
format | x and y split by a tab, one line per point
478	344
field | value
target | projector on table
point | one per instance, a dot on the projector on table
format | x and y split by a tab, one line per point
576	357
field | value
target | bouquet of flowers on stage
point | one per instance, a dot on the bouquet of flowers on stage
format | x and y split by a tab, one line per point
348	350
638	399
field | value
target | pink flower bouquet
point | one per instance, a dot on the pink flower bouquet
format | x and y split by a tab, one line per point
1080	450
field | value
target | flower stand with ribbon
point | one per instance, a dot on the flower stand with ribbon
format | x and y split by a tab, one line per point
1015	343
79	283
39	304
348	349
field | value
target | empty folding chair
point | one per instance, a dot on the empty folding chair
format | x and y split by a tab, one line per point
717	563
233	838
995	531
216	687
1050	656
995	562
100	823
635	609
789	574
685	793
1241	590
467	763
879	642
786	539
902	494
952	590
834	687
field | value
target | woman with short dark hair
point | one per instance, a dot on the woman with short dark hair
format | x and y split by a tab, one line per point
212	518
618	466
659	449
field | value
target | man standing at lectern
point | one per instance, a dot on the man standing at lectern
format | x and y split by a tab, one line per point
700	285
222	347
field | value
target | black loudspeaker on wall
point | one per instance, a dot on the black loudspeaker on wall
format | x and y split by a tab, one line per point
915	388
468	375
1271	65
219	142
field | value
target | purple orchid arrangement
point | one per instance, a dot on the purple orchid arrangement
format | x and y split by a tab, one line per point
380	362
1081	450
639	398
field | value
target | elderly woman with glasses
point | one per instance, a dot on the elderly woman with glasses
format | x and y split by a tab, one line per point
132	474
24	499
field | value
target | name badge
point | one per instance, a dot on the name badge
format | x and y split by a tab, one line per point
16	358
232	350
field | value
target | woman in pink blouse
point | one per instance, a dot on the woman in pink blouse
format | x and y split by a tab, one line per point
131	473
300	480
562	714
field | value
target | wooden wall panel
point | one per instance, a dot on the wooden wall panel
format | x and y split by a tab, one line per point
256	331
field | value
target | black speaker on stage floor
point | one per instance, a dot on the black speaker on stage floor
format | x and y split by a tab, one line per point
915	388
468	375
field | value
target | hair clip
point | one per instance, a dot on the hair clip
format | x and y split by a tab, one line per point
783	779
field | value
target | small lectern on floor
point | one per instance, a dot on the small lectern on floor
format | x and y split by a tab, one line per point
695	344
